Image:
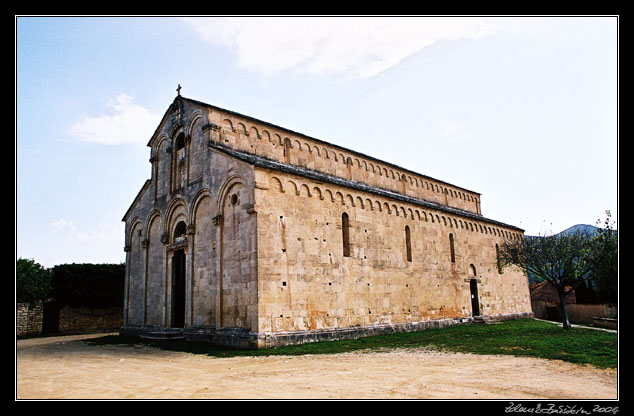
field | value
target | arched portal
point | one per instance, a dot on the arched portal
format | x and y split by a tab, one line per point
178	279
473	285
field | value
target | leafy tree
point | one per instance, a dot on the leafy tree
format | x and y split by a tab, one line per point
564	260
604	261
92	285
33	281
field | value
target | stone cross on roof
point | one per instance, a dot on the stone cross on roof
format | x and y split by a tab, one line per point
178	90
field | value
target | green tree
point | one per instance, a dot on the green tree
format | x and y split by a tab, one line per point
563	259
33	281
85	284
604	261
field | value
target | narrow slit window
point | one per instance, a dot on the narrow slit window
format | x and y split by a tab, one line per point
345	229
287	151
408	243
451	248
497	257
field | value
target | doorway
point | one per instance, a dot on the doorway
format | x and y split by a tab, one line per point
475	303
50	317
178	289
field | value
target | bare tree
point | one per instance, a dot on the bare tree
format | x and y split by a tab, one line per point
605	261
561	259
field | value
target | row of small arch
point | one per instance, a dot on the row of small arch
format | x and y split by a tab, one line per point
290	186
276	139
170	218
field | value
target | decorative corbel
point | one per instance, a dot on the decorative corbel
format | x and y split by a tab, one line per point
210	126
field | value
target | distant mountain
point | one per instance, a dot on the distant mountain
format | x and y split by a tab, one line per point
583	228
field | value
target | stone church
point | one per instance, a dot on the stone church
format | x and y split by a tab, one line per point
251	235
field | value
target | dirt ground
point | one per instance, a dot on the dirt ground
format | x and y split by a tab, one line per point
66	368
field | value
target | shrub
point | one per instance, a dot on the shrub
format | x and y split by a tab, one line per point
33	281
91	285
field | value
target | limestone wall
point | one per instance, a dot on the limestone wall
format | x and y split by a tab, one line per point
29	318
84	320
307	283
263	251
198	205
253	136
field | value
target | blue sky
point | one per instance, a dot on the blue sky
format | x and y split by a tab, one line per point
521	109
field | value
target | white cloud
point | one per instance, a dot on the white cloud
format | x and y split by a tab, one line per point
126	123
63	225
357	46
102	232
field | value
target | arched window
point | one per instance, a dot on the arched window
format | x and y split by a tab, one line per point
180	142
408	243
345	229
451	248
287	150
180	230
472	271
179	158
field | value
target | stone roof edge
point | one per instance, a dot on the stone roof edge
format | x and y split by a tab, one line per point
267	163
136	199
327	143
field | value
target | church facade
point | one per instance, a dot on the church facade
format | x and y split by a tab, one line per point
251	235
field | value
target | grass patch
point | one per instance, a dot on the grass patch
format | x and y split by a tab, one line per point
522	337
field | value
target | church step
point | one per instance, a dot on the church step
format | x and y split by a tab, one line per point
484	320
166	333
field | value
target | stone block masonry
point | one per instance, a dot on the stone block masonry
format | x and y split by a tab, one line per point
28	319
76	320
251	235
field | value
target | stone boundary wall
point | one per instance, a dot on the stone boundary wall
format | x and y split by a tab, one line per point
28	318
578	313
84	319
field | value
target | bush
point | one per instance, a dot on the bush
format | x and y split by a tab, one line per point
33	281
91	285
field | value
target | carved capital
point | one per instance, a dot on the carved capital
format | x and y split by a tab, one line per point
165	238
153	159
126	248
217	220
145	243
190	229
